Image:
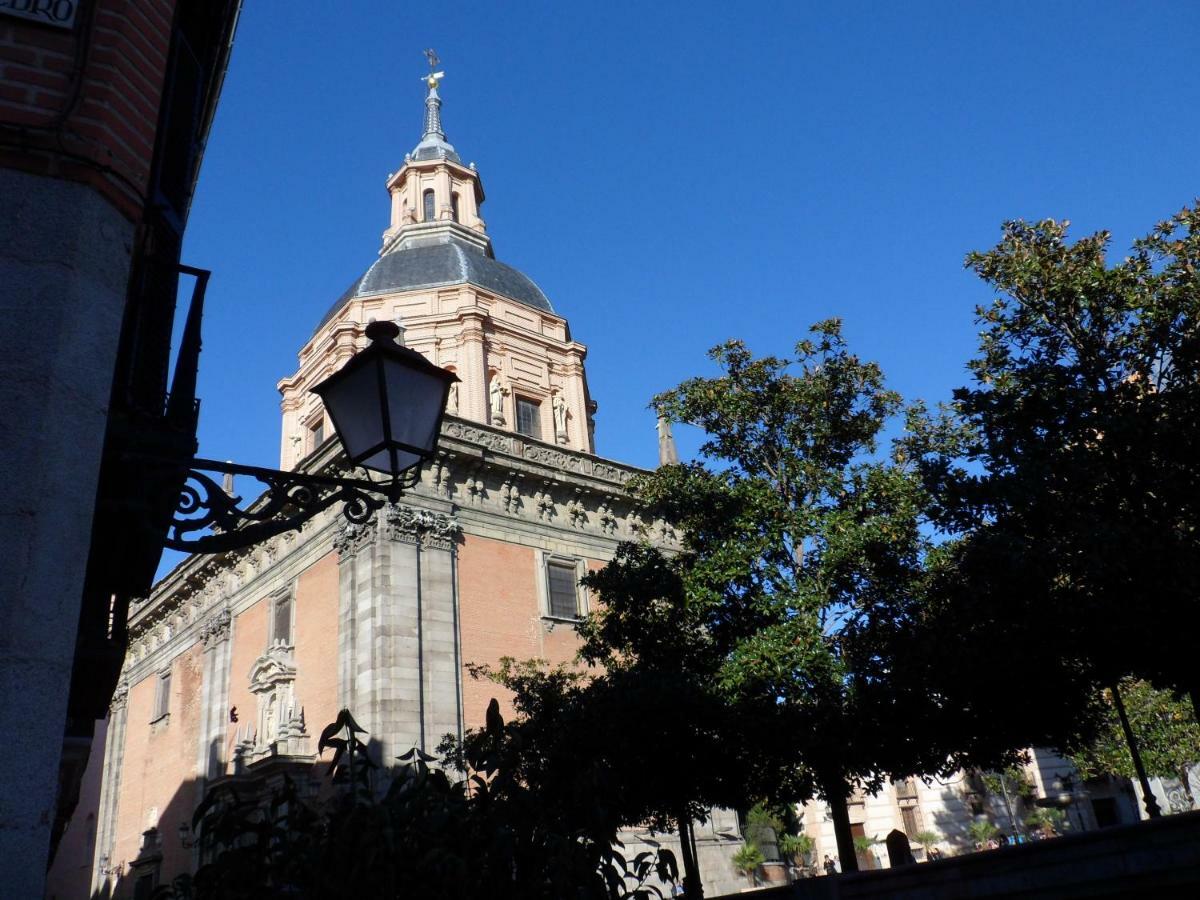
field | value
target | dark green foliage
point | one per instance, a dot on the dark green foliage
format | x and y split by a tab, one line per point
1069	467
803	567
427	836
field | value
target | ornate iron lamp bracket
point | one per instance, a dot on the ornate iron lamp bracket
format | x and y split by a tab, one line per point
290	500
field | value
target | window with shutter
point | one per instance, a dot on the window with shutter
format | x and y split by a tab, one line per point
162	699
562	590
909	816
282	630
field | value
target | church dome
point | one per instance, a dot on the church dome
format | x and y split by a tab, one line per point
441	265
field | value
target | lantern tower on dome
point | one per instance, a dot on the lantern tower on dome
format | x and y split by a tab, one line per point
437	277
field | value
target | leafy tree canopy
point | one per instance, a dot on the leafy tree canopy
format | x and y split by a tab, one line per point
1069	463
1167	735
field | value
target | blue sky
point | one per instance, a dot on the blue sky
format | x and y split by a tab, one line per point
676	174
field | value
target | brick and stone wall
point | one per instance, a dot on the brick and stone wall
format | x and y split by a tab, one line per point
83	104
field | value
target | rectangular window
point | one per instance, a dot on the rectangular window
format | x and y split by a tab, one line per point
162	698
529	419
562	589
908	814
318	433
281	620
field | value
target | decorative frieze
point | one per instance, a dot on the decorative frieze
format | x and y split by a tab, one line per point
510	493
120	697
217	628
351	538
576	512
543	502
434	529
608	521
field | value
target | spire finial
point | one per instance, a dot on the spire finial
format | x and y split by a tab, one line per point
433	103
667	454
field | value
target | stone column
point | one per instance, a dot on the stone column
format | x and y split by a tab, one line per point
110	787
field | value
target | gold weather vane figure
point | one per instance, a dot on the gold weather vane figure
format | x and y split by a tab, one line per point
433	77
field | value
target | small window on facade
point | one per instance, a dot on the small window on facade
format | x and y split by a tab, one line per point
529	420
454	205
162	699
427	207
318	433
281	629
562	589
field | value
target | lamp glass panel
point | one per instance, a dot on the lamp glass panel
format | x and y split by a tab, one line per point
354	405
415	401
381	461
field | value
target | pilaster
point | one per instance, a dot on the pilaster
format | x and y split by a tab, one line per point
399	664
110	789
214	696
473	392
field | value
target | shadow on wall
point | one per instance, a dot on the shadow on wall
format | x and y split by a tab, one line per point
168	850
160	855
954	818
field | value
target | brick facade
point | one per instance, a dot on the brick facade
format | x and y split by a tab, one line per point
83	104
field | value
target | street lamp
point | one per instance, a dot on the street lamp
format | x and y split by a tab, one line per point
386	405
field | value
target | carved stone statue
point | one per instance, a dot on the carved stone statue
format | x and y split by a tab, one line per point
560	417
452	399
496	392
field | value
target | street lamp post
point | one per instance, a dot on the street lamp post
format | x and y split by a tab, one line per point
386	405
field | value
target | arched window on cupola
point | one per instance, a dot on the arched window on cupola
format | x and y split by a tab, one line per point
427	208
454	206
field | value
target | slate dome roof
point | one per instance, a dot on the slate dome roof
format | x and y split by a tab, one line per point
437	265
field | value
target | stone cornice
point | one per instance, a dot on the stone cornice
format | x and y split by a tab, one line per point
496	482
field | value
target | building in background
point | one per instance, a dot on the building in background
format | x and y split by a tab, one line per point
104	109
238	660
946	808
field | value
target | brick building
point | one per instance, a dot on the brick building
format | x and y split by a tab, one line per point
480	560
104	108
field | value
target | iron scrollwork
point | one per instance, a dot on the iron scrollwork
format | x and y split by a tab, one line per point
208	519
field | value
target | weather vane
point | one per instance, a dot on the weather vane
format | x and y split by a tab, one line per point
433	77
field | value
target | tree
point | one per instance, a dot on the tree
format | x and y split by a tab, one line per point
748	859
417	833
1068	467
1166	731
587	747
927	840
802	565
797	847
982	831
1011	785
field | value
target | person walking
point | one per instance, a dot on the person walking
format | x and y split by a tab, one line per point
830	865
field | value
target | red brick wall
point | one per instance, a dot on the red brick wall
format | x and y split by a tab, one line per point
160	766
500	615
317	644
95	125
249	636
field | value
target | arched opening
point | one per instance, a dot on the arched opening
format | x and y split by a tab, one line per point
427	207
454	206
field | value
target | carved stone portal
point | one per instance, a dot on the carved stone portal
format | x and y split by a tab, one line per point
280	719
